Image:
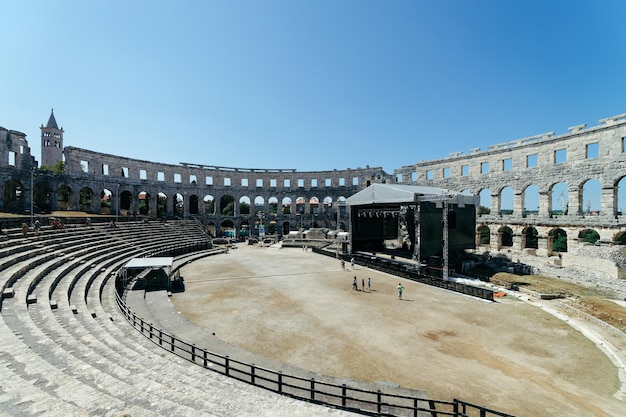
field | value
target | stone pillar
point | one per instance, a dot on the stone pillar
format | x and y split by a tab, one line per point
495	241
543	245
152	204
545	205
517	242
495	204
518	206
574	198
608	200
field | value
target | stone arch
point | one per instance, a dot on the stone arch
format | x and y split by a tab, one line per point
300	203
588	236
106	201
210	229
41	197
620	238
126	202
341	205
314	205
244	205
590	199
85	198
530	202
14	196
209	205
273	205
620	196
178	205
143	203
484	235
505	237
194	201
557	240
227	228
161	205
286	228
259	204
484	207
559	201
328	205
227	205
505	198
286	205
530	238
64	196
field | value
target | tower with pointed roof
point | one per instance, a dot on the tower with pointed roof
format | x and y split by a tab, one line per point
51	142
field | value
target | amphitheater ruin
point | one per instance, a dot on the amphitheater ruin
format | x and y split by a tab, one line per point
551	201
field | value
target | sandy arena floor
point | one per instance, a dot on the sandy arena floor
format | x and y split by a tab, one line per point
299	308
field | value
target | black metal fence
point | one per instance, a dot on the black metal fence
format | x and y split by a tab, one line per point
339	396
404	270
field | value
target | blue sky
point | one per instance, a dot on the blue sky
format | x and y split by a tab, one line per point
312	85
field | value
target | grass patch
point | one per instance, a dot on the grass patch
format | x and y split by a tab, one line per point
605	310
590	300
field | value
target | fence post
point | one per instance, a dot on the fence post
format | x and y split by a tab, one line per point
343	394
206	361
414	407
280	382
226	365
193	352
172	343
312	388
252	370
160	337
379	399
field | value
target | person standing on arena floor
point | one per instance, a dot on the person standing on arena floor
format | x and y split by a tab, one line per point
400	289
363	284
369	283
354	284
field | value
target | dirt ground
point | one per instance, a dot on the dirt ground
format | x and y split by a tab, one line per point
299	308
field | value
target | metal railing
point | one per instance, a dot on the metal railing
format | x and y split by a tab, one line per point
334	395
399	269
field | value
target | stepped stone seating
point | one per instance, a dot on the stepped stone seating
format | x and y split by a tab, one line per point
66	349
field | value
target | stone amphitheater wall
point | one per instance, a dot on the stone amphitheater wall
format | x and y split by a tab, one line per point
573	158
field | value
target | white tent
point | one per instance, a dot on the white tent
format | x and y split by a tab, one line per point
400	193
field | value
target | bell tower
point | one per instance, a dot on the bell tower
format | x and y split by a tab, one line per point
51	142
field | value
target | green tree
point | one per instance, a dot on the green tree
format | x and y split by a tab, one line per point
244	208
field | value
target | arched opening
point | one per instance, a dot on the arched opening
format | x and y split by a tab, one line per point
259	205
210	229
620	196
591	204
484	206
143	203
193	204
314	204
286	205
178	205
484	235
273	206
531	238
64	194
126	203
506	237
558	238
161	205
506	201
209	205
227	205
228	228
41	197
560	200
300	205
84	199
106	201
14	196
244	205
286	228
590	236
531	201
